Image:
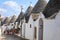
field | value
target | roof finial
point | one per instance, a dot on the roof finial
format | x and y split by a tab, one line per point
15	13
30	3
0	15
21	8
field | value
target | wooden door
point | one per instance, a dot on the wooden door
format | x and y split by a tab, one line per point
35	32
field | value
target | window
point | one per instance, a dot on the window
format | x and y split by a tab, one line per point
34	19
12	24
30	25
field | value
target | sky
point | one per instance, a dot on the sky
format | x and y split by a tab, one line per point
13	7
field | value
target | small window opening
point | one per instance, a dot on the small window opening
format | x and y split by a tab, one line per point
30	25
12	24
34	19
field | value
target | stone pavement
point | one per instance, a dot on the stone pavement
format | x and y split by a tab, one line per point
11	37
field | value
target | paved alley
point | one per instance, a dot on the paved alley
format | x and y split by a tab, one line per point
10	37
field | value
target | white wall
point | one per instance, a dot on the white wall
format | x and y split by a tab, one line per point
52	28
36	24
57	23
23	30
48	29
28	30
23	25
29	33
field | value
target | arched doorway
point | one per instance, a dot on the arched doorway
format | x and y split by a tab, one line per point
40	34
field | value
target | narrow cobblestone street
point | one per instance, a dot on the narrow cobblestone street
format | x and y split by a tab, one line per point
10	37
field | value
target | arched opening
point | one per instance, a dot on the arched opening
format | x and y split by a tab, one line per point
40	34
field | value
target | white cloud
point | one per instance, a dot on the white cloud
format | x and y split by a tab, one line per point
12	4
2	10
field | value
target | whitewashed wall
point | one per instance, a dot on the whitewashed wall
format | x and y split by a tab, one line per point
48	29
23	30
23	26
52	28
36	24
28	30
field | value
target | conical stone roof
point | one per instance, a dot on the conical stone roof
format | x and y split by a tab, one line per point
21	15
13	19
6	21
1	18
52	7
28	13
39	7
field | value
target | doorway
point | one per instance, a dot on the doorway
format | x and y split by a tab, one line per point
35	32
40	35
